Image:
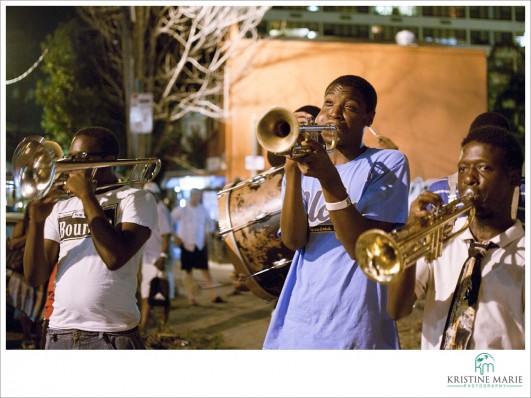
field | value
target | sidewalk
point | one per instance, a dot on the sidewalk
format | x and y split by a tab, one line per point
240	323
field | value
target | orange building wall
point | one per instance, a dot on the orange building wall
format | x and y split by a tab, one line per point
427	96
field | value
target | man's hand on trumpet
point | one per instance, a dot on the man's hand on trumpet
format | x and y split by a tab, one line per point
424	205
316	163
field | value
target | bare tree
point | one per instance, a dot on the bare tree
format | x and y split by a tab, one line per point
177	53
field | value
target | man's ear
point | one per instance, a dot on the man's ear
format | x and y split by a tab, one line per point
369	118
515	177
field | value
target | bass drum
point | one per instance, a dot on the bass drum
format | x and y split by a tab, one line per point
249	220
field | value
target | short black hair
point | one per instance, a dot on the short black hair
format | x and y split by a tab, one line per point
311	109
489	119
107	139
360	84
501	138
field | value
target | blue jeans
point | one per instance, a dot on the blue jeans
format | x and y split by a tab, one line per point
74	339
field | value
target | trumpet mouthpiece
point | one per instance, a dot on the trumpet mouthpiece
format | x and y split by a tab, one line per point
469	194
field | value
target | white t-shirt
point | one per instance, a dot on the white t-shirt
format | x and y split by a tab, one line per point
500	315
162	227
88	296
193	224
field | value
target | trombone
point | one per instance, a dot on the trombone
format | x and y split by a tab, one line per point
382	256
278	131
38	164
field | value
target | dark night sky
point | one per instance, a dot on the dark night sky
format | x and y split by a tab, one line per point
26	28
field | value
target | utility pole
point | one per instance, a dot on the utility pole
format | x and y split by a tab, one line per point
138	143
128	79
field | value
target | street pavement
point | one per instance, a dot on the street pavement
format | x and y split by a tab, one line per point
239	323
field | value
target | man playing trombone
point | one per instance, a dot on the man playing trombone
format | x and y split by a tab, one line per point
96	238
475	290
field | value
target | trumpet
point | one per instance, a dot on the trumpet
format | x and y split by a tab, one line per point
382	256
278	131
38	164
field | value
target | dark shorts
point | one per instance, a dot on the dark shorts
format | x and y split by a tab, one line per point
197	259
162	286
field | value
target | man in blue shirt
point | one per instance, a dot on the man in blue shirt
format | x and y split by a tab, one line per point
329	199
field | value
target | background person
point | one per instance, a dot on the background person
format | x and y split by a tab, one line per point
28	301
156	252
194	225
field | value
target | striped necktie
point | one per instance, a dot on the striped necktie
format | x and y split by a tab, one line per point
460	320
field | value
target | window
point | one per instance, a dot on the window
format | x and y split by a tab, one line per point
502	13
347	9
479	37
479	12
405	11
503	38
519	14
341	30
448	12
447	37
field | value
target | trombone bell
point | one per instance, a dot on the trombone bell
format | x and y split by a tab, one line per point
34	166
278	131
38	163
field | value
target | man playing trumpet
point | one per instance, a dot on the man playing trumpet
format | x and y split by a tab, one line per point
475	291
329	199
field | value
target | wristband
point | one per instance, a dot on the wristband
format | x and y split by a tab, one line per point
338	205
162	254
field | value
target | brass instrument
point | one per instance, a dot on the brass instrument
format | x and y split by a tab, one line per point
382	256
278	131
38	164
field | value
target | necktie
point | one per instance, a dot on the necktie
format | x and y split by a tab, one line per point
460	320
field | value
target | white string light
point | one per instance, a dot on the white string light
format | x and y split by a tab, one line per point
31	69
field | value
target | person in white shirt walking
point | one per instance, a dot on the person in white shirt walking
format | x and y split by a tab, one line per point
193	227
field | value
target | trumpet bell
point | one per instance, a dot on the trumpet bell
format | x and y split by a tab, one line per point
379	255
277	130
34	166
382	256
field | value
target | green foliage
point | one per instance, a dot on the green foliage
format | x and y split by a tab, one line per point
69	91
506	86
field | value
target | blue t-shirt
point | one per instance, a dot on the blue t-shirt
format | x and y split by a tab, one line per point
327	301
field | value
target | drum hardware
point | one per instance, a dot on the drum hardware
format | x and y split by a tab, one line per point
38	164
382	256
258	219
212	285
279	132
276	265
255	182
